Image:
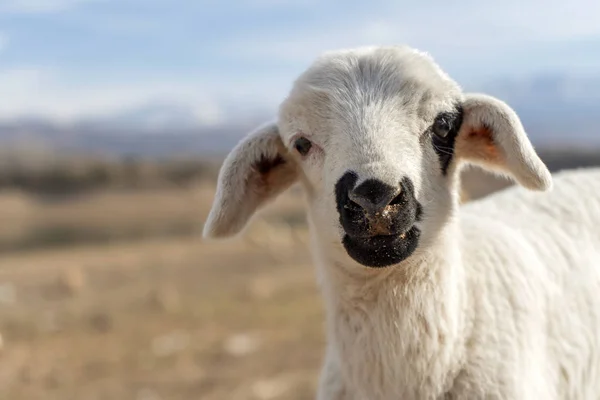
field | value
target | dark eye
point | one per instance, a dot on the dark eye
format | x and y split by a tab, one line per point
442	126
302	145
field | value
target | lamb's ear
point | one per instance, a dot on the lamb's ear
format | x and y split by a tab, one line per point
257	170
493	137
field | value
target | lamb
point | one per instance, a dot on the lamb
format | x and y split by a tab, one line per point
426	299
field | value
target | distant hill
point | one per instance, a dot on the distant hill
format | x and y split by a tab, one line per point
557	110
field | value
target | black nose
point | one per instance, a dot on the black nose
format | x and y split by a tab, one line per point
373	195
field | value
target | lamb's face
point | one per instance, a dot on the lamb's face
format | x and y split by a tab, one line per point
373	133
375	136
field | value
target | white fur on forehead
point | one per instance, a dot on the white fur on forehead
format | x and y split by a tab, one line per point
359	101
416	62
378	73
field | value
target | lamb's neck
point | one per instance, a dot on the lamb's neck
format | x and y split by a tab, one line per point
403	312
431	276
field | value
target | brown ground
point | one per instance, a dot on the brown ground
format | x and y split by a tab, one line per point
113	295
168	317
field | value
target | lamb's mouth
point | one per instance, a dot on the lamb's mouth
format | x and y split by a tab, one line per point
382	250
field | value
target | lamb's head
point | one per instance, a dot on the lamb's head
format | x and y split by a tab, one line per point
376	137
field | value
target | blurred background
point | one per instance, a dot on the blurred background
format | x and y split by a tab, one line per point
114	118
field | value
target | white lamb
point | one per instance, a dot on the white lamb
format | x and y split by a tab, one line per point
498	299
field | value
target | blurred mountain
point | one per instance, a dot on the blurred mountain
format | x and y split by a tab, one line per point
154	129
557	110
154	117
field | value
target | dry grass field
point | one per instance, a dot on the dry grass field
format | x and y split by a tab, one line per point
112	294
161	316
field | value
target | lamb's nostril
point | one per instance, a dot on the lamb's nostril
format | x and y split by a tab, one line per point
352	203
359	201
373	195
398	199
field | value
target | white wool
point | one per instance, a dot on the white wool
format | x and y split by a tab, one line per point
501	298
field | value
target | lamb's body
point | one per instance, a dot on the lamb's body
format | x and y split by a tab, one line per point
518	318
534	264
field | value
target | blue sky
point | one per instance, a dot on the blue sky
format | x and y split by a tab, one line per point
68	59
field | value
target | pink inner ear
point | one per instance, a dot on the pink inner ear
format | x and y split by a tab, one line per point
477	144
269	176
264	165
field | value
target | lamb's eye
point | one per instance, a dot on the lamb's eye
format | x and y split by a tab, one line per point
442	126
302	145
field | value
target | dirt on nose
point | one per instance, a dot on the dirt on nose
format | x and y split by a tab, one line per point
381	222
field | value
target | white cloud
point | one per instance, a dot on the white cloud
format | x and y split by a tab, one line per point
46	93
446	29
542	20
40	6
